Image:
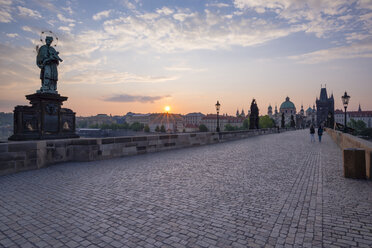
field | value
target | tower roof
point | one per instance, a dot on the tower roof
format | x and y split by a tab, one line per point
287	104
323	95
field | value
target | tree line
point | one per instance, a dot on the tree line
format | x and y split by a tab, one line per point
264	122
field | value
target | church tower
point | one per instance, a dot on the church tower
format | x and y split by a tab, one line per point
270	110
324	107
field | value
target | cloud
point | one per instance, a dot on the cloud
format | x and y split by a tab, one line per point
134	98
183	69
12	35
218	5
113	77
129	5
323	18
102	14
353	51
34	30
5	11
68	10
65	29
47	4
164	11
26	28
62	18
185	30
23	11
14	60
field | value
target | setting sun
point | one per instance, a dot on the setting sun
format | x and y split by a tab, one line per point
167	108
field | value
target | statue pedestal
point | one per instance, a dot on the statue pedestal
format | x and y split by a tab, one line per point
45	119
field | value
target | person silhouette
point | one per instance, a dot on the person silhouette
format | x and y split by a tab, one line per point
312	132
320	133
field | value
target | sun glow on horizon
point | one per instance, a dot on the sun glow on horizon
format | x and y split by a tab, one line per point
167	108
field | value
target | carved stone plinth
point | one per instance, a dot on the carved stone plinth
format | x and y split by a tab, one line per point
354	163
45	119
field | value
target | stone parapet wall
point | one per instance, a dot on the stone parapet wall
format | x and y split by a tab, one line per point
28	155
344	141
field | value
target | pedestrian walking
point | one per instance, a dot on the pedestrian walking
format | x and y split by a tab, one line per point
320	133
312	132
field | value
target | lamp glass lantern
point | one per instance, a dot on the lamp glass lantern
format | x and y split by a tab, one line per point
218	106
345	99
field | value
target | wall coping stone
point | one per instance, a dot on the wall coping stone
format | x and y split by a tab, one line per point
36	154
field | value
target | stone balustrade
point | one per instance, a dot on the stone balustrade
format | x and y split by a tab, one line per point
345	141
28	155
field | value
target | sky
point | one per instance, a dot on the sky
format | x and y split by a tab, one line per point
142	55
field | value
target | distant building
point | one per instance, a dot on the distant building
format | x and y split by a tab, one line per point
288	109
365	116
190	128
270	111
210	121
302	112
172	122
324	105
300	118
131	118
193	118
97	120
310	116
242	114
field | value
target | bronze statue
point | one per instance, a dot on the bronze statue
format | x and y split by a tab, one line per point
47	60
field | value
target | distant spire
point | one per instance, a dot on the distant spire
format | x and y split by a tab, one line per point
359	109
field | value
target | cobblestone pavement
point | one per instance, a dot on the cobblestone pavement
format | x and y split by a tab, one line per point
275	190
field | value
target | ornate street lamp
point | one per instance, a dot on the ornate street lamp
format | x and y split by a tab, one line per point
218	105
345	101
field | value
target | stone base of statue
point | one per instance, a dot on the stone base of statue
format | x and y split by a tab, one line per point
45	119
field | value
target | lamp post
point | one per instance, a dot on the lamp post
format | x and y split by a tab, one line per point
345	101
218	105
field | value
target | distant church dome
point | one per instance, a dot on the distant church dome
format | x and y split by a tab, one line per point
287	104
309	110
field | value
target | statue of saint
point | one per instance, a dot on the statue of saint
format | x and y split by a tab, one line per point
254	116
47	60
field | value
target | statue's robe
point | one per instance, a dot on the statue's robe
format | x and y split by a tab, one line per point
47	65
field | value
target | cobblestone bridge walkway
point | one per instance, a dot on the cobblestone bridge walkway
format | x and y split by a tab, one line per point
275	190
